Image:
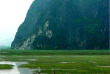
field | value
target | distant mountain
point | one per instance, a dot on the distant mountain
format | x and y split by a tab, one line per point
4	47
65	24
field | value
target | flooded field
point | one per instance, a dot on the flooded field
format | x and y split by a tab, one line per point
62	62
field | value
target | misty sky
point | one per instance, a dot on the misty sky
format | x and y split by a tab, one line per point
12	14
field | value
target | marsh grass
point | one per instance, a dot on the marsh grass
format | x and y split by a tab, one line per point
51	59
6	66
55	52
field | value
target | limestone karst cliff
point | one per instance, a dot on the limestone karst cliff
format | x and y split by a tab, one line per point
64	24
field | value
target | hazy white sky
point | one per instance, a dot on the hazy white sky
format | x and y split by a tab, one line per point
12	14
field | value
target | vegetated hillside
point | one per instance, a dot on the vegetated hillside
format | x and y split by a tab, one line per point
65	24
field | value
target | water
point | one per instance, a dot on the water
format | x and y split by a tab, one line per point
16	69
10	71
23	70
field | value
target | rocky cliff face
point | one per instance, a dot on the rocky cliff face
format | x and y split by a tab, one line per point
65	24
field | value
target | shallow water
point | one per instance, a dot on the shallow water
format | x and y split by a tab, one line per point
23	70
105	66
11	71
16	69
67	62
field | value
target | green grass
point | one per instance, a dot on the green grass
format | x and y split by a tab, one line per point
55	52
6	66
80	64
77	61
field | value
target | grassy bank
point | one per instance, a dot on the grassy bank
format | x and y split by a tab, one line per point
5	66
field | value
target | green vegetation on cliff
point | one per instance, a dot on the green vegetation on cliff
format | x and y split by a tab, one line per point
65	24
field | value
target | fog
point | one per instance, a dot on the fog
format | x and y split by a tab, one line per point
12	14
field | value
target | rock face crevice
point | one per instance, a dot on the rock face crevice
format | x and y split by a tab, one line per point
64	24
